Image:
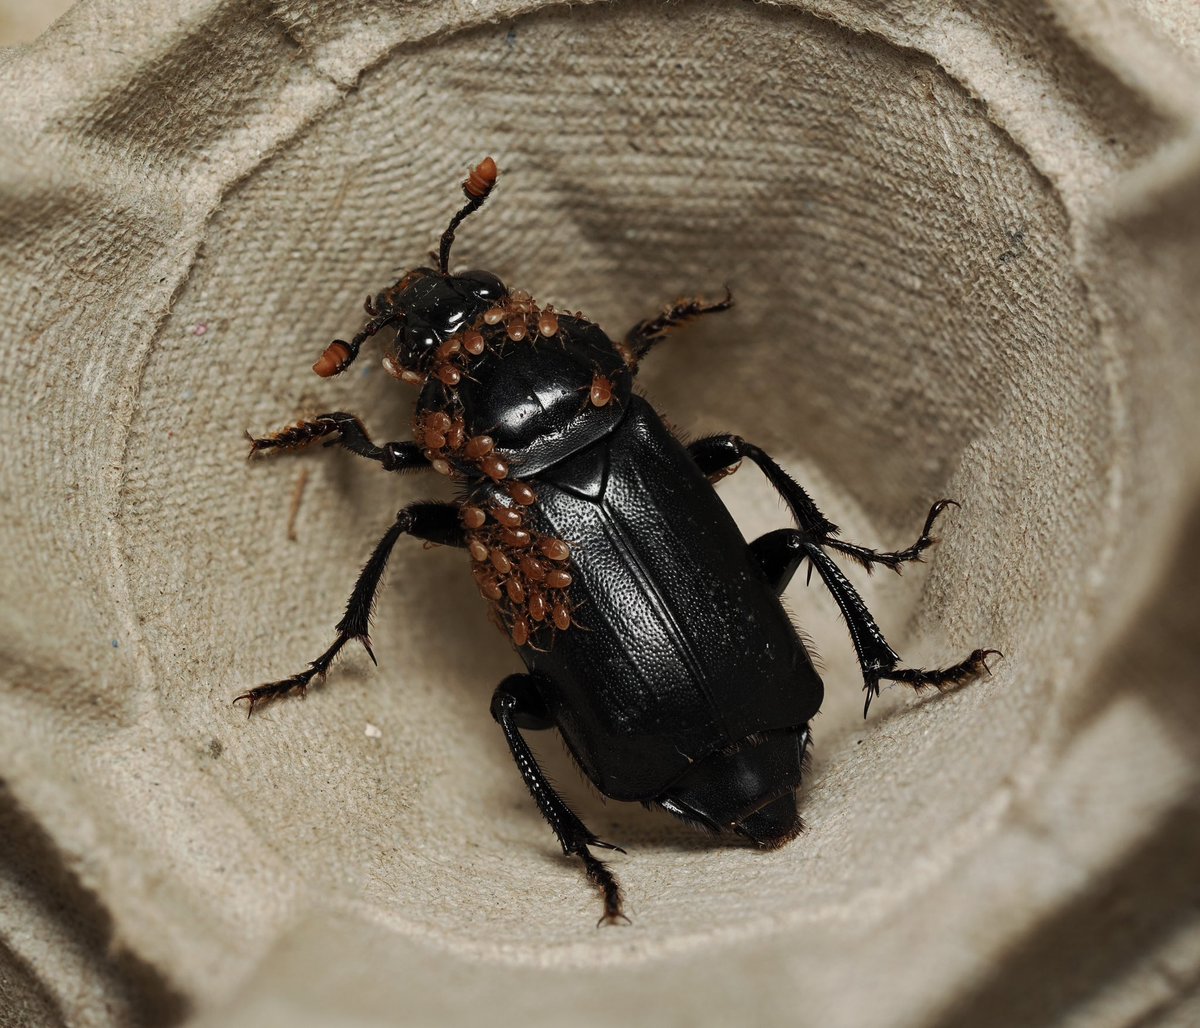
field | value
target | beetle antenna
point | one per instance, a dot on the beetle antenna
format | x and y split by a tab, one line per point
476	189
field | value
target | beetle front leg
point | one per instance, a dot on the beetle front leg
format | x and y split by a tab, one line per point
352	435
514	702
433	522
648	333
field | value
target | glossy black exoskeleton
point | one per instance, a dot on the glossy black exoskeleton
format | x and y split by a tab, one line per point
652	633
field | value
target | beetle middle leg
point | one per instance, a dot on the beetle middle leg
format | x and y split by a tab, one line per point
515	704
718	456
433	522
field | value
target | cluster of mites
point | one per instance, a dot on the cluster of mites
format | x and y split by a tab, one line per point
522	573
522	319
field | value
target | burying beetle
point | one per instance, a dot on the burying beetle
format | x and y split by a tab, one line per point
653	634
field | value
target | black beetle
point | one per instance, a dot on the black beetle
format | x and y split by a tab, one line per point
653	633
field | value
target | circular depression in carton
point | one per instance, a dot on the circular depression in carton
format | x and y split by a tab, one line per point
908	326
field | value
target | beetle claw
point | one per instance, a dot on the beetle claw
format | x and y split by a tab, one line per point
366	643
249	703
872	690
983	656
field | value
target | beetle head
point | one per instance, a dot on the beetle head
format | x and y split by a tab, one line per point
431	307
427	305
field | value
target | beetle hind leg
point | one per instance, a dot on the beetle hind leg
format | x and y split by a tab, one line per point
516	703
876	658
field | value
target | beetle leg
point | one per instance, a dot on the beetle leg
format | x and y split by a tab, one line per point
646	334
433	522
514	701
352	434
719	455
781	553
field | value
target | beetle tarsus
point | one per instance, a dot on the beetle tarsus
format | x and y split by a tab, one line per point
294	436
895	559
941	679
603	879
264	694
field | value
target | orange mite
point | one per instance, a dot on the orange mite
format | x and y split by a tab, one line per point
601	392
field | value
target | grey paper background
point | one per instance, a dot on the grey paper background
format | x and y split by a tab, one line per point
963	240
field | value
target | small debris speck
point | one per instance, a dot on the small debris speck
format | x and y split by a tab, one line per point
115	644
215	748
372	732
